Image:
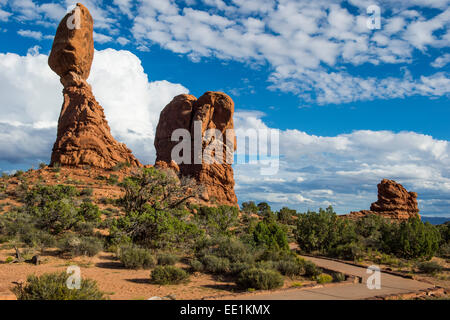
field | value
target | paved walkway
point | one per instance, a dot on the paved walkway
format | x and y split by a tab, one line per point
390	284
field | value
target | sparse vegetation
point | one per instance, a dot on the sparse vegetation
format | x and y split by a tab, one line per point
52	286
165	275
430	267
136	258
260	279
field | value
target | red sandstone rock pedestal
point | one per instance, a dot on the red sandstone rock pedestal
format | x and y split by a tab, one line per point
215	111
84	136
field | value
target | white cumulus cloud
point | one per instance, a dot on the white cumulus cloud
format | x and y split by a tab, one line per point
32	99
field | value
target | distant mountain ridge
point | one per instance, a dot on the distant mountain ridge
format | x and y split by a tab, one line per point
435	220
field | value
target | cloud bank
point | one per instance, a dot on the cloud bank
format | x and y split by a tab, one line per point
32	99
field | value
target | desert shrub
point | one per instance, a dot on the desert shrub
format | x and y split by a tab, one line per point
216	265
370	230
234	250
168	275
38	239
121	165
430	267
42	165
52	286
412	239
136	258
87	192
264	209
40	195
196	265
285	215
165	259
75	246
56	216
260	279
350	251
444	245
323	231
249	207
271	235
291	268
156	188
90	212
338	276
311	270
324	278
237	267
218	220
155	229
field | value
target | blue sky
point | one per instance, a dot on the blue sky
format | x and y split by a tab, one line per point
353	105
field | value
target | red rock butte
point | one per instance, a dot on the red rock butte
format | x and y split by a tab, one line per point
215	110
84	136
394	202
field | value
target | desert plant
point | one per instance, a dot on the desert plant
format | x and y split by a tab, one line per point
196	265
324	278
166	259
413	239
311	270
161	190
290	268
220	220
269	234
285	215
168	275
136	258
155	229
260	279
74	246
430	267
338	276
216	265
53	286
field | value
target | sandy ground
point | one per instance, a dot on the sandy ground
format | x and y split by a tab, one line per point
117	282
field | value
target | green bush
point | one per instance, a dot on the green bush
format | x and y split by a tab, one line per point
218	220
430	267
311	270
269	234
324	278
338	276
165	259
75	246
323	231
237	267
168	275
90	212
136	258
155	229
233	249
290	268
413	239
52	286
285	215
196	265
349	251
87	192
260	279
38	239
216	265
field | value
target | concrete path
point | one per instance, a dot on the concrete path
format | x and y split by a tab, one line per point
390	284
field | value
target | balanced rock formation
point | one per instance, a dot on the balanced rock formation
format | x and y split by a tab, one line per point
84	136
394	202
213	110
